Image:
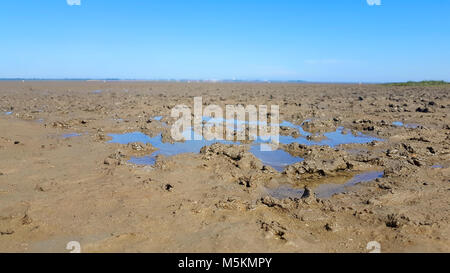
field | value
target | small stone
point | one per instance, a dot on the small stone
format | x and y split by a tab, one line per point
39	188
373	201
110	161
26	220
424	110
7	232
168	187
417	162
306	193
392	221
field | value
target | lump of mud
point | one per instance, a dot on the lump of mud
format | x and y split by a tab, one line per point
61	124
319	161
238	163
238	154
234	152
116	158
139	148
394	220
289	131
296	149
319	126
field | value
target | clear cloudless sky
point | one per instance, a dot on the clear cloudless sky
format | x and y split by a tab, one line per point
313	40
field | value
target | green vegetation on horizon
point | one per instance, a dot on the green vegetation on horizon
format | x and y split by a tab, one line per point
412	83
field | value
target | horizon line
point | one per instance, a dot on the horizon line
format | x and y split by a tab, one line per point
186	80
194	80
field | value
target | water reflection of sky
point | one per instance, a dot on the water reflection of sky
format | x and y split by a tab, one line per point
407	125
324	190
70	135
276	158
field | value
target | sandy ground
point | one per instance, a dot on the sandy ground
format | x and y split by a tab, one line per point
54	189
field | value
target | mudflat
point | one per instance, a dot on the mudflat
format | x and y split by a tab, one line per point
94	162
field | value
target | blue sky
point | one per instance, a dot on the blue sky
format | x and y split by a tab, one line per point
314	40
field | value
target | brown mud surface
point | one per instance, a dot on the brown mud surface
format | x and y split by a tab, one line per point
56	189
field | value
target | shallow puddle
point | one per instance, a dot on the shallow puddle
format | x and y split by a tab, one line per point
324	190
8	113
70	135
286	191
336	138
278	159
332	139
164	148
327	190
143	160
407	125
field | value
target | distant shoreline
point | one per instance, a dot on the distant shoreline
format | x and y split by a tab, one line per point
408	83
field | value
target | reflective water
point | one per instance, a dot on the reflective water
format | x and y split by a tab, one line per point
327	190
144	160
8	113
324	190
412	125
408	125
276	158
332	139
285	191
164	148
70	135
